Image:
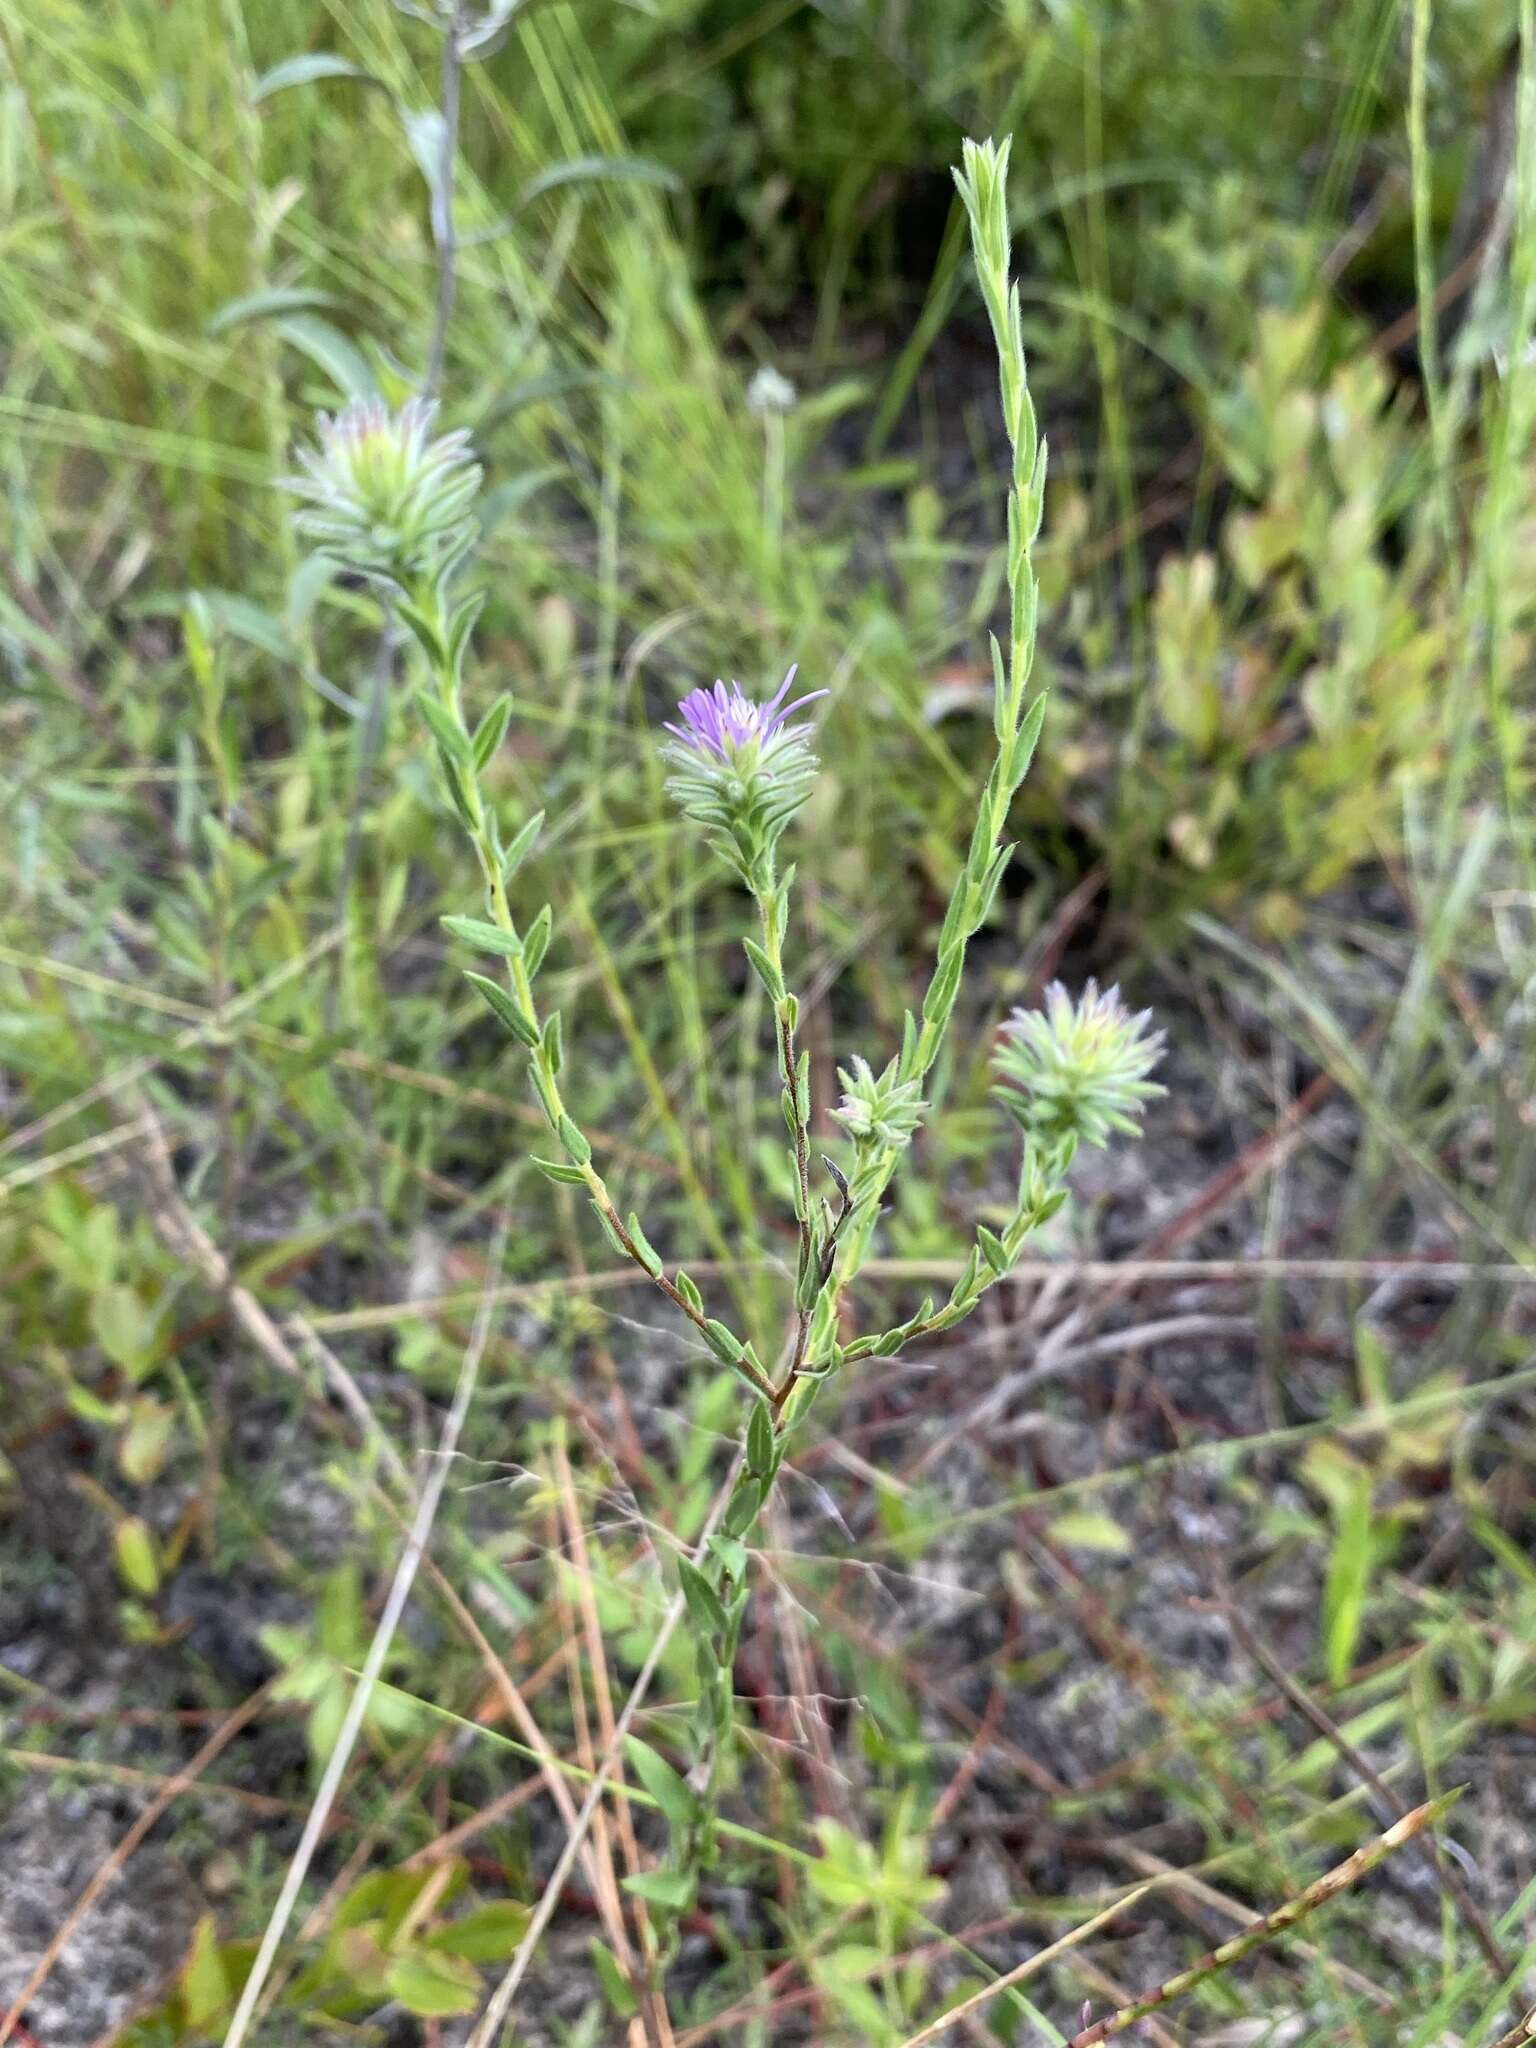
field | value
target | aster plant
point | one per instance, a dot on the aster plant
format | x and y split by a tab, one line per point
386	498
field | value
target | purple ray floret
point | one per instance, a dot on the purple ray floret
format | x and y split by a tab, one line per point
721	721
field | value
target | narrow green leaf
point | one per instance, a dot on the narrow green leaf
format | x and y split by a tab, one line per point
632	170
993	1250
522	844
424	133
331	352
447	730
744	1506
767	974
521	1027
536	944
556	1169
265	305
305	69
485	938
724	1342
574	1142
492	729
454	784
554	1042
760	1441
668	1790
703	1601
649	1257
616	1986
460	626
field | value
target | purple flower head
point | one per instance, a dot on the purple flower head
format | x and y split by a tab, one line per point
741	770
723	721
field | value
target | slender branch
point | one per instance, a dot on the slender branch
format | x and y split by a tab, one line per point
1016	718
1327	1887
369	745
1030	1967
444	222
1331	1733
541	1037
786	1011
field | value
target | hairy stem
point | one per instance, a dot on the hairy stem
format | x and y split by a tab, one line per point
444	223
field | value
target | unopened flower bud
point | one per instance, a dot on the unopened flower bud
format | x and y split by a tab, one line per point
879	1106
1073	1071
381	495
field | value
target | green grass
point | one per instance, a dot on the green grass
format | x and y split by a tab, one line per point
1284	792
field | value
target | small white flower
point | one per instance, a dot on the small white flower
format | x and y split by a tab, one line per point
769	392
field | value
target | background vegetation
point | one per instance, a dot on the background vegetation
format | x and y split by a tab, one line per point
1210	1554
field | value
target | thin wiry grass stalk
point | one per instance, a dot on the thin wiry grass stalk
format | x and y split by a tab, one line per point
378	1650
1327	1887
499	2010
1440	1865
282	1345
653	2023
1030	1967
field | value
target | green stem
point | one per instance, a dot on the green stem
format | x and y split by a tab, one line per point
786	1013
542	1055
1016	720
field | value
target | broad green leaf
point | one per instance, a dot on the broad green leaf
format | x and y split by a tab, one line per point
205	1989
672	1889
142	1450
488	1934
1087	1530
668	1790
138	1561
434	1985
516	1020
124	1328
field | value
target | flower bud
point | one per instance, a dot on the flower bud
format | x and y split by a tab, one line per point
381	496
878	1106
1073	1071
